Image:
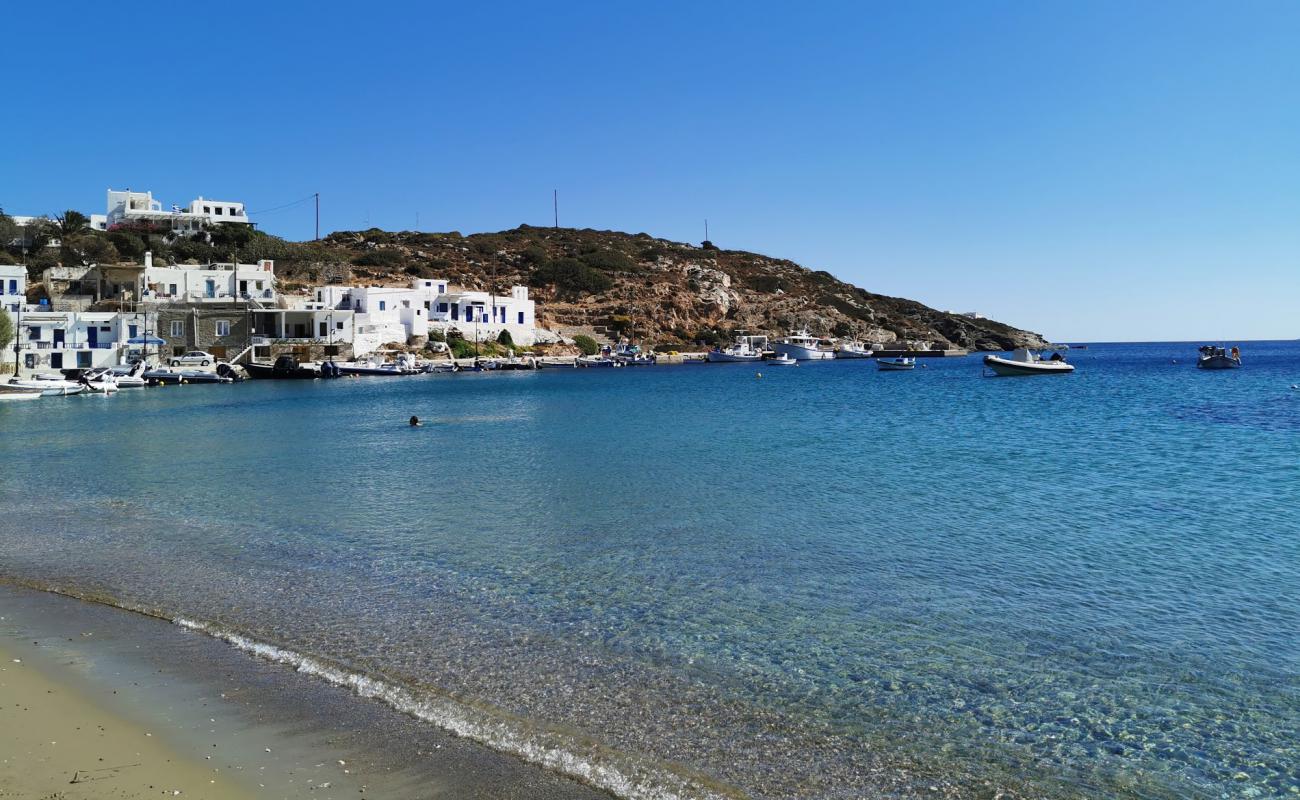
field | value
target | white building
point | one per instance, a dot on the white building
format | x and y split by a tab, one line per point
49	341
130	207
399	313
210	283
13	287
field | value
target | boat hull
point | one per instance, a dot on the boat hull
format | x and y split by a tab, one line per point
894	366
1218	362
1007	368
717	357
800	353
853	353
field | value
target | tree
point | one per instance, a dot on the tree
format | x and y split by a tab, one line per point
71	224
586	344
6	330
89	249
504	338
9	230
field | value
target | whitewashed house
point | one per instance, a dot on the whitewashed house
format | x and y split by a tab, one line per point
386	314
207	284
13	286
128	207
49	341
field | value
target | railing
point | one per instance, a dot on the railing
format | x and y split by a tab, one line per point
70	345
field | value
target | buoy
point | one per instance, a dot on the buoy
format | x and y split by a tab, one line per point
758	374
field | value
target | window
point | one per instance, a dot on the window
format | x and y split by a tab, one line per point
83	359
33	332
218	211
207	209
178	350
131	331
324	329
178	327
13	287
381	305
406	304
56	360
171	288
29	361
521	318
442	288
442	308
338	325
223	327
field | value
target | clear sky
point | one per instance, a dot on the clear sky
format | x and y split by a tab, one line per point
1092	170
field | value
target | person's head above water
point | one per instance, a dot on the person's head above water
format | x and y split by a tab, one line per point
415	422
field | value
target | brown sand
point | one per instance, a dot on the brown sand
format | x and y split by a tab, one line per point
58	744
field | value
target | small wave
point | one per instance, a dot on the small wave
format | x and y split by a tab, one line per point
585	760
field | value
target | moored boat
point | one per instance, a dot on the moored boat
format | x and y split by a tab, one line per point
899	363
286	367
631	355
49	385
1212	357
781	360
10	391
803	346
1024	362
853	349
745	348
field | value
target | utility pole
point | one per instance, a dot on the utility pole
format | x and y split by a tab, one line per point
318	216
17	335
555	200
706	229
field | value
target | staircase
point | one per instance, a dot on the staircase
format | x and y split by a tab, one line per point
600	333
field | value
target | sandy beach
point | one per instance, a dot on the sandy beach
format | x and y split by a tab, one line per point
58	742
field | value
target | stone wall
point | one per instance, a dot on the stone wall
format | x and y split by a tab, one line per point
197	329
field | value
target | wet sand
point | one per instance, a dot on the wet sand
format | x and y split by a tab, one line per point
57	742
131	706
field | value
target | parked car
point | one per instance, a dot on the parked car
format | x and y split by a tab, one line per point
193	357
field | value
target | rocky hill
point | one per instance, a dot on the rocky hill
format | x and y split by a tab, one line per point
654	290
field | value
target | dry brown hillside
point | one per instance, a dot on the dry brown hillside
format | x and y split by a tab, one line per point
654	290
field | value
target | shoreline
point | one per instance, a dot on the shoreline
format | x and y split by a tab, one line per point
180	711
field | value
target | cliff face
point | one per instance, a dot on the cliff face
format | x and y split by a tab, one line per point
650	289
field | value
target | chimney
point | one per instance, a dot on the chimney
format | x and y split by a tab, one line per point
148	259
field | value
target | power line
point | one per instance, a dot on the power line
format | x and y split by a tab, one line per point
283	207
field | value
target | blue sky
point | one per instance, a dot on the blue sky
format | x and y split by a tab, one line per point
1092	170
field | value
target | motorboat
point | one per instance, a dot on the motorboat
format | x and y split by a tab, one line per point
563	363
597	361
633	356
402	365
442	367
744	348
853	350
899	363
286	367
49	385
1024	361
803	346
99	380
1213	357
130	376
9	391
780	360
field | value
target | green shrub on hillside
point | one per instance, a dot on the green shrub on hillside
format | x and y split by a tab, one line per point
586	344
387	259
461	348
570	274
504	338
608	261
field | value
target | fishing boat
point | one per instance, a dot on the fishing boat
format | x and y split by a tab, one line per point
597	362
853	349
402	365
899	363
1213	357
1024	361
9	391
780	360
442	367
744	348
803	346
631	355
562	363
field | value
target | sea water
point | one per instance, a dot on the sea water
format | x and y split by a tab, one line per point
827	581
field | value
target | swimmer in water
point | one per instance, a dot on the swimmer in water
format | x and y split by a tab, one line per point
415	422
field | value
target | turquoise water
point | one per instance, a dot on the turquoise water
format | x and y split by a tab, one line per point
827	582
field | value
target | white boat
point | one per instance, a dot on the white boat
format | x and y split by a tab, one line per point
802	346
562	363
402	365
896	363
744	348
99	380
853	350
598	361
631	355
9	391
1218	358
781	360
1024	361
49	385
130	376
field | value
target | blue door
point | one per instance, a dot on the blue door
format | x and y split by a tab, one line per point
92	335
211	288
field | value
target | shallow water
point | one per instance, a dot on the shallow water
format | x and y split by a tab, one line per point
824	582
